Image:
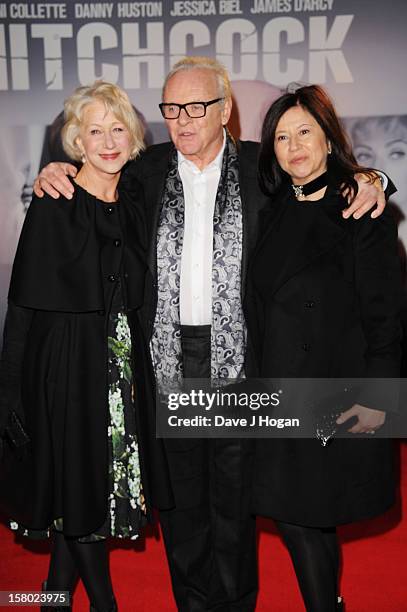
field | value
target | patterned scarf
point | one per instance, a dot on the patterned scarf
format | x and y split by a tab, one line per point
228	331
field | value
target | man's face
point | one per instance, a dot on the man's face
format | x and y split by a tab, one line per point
199	140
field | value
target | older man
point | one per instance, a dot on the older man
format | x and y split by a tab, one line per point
211	185
202	197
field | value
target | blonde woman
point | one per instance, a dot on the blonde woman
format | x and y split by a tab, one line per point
72	370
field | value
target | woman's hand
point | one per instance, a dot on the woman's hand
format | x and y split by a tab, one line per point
54	181
369	420
369	194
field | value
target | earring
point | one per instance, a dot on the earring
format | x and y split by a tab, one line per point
329	148
83	158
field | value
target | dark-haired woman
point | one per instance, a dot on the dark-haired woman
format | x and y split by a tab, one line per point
322	302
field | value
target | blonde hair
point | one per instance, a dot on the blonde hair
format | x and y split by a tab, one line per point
115	100
201	62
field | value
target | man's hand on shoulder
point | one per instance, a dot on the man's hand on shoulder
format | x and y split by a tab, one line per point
53	180
369	195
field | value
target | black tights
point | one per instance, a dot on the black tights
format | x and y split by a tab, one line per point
70	559
315	556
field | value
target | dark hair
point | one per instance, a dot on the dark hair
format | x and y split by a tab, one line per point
341	163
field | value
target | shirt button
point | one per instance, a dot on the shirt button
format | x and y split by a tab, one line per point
117	242
306	347
112	278
310	304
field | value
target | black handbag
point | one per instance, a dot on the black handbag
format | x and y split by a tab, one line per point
15	470
15	434
329	409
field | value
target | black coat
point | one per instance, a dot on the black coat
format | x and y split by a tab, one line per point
323	301
69	258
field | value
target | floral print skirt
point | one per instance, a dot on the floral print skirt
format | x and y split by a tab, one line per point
126	502
126	507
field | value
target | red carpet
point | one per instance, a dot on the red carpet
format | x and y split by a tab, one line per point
374	577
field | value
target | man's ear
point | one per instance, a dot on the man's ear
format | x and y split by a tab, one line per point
226	110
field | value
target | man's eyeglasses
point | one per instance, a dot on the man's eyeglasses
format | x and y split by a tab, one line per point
194	110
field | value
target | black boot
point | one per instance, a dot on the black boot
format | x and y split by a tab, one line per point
113	607
55	608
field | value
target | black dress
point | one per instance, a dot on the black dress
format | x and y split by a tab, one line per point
323	301
80	369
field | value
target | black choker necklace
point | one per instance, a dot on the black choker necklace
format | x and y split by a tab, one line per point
311	187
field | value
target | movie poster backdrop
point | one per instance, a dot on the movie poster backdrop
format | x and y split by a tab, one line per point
357	50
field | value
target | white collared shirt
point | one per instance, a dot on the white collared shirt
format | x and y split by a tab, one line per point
200	189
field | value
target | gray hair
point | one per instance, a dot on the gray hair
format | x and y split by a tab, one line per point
198	62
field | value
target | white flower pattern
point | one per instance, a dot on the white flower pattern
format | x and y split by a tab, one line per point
126	501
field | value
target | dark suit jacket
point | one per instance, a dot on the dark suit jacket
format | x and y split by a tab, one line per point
150	171
323	301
